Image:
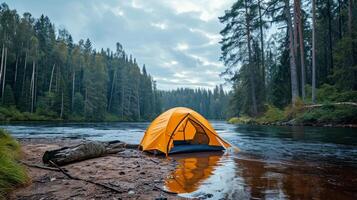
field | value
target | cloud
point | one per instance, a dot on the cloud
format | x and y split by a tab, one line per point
176	39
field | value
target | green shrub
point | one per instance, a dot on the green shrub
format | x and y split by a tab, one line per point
12	173
240	120
291	112
332	114
328	93
272	114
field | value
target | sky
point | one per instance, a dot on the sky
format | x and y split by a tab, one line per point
177	40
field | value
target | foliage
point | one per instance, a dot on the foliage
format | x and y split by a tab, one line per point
51	77
271	115
292	111
212	105
243	39
8	98
12	173
13	114
329	114
240	120
328	93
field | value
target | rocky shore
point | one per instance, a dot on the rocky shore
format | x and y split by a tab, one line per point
135	175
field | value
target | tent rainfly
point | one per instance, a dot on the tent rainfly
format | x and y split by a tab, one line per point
180	130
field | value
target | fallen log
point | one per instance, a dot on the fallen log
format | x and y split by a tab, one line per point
335	104
83	151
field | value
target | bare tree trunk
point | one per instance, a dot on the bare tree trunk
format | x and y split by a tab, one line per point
50	86
73	88
350	17
16	65
33	85
112	90
61	115
301	45
251	76
85	100
313	51
296	30
138	106
24	75
330	32
293	74
340	19
4	79
2	61
262	41
122	100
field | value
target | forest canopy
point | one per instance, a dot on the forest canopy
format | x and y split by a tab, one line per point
281	52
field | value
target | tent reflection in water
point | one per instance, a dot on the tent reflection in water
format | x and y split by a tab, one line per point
191	172
181	130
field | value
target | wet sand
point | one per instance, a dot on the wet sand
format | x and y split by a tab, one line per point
135	174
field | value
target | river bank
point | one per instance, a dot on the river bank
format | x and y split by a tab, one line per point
323	115
134	174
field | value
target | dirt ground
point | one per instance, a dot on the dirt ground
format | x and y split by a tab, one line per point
135	174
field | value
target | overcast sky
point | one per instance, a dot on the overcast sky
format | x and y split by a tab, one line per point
176	39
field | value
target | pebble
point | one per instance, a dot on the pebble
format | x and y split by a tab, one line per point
131	192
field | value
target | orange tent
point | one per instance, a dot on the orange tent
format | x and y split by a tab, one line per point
179	126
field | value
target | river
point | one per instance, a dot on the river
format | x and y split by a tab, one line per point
273	162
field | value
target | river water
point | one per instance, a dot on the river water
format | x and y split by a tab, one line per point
273	162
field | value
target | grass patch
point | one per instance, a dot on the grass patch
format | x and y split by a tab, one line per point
240	120
12	173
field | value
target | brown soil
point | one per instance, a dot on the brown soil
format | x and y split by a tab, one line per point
137	175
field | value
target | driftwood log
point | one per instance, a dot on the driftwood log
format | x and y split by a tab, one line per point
335	104
84	151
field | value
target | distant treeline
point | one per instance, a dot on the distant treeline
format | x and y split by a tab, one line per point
211	104
48	74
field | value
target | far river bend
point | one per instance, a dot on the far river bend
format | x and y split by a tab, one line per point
273	162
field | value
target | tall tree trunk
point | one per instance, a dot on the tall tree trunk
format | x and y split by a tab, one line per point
61	115
2	61
350	17
85	100
33	85
313	52
50	86
16	65
73	88
24	75
4	79
111	91
138	106
340	19
251	74
330	32
122	99
293	73
262	41
301	45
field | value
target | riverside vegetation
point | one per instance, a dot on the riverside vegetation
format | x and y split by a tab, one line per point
12	173
282	57
330	112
